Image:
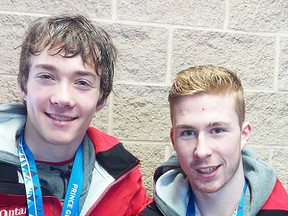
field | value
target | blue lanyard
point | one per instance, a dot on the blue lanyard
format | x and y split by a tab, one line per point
240	209
191	206
71	204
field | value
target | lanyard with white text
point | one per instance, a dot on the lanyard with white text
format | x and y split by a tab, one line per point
191	205
71	204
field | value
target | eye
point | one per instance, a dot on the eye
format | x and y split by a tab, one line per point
83	83
188	133
45	76
217	130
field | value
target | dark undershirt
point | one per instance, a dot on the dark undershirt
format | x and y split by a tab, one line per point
55	177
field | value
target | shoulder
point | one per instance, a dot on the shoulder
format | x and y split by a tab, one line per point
111	154
278	199
101	140
150	210
171	163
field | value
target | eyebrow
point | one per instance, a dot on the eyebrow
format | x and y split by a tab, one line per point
46	66
211	124
184	126
85	73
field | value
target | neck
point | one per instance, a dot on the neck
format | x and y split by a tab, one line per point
228	196
50	152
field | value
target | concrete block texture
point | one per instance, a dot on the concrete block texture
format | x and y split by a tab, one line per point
259	16
267	113
141	113
192	13
142	53
12	28
283	65
99	8
155	40
251	56
9	90
153	154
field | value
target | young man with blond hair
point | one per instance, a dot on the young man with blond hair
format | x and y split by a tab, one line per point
214	172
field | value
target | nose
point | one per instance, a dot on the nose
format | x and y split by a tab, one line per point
203	148
62	95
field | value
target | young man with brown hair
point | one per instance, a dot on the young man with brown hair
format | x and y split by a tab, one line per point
51	160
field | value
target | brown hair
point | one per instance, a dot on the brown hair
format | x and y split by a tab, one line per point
71	35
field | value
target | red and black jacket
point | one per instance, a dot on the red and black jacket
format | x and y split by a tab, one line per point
126	196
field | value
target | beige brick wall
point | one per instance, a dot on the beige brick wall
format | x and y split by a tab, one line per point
155	40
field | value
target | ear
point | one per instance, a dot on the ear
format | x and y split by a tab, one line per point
172	137
245	134
22	93
101	105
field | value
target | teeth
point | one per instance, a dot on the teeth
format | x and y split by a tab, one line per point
61	118
207	170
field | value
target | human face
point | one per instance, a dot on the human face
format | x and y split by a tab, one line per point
61	98
208	140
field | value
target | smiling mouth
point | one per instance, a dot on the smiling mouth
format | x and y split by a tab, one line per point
60	117
208	170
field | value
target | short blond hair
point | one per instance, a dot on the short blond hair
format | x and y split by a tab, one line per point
209	79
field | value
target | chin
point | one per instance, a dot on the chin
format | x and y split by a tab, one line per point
208	187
